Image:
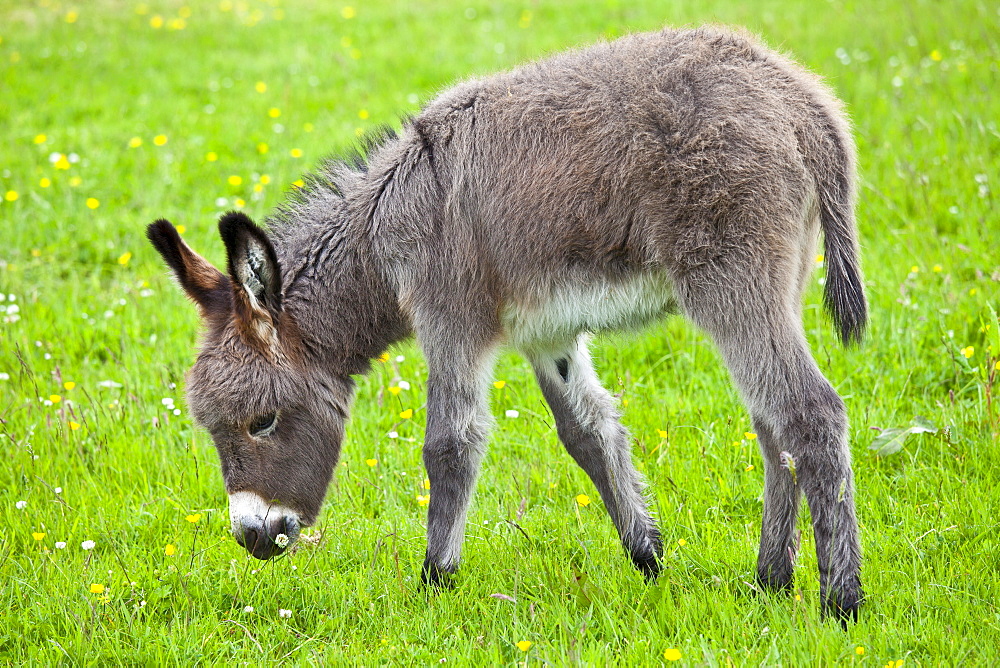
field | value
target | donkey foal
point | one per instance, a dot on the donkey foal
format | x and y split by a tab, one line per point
684	171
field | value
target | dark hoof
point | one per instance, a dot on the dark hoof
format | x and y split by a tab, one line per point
647	564
778	582
843	606
435	577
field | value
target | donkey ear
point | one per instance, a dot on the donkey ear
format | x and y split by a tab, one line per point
253	264
204	284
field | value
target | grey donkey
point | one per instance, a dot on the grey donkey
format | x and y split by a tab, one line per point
683	171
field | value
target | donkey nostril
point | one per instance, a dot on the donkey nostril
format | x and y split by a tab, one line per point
249	539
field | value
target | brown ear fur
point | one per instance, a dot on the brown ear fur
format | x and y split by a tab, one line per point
207	287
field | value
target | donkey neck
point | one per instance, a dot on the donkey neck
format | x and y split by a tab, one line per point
343	306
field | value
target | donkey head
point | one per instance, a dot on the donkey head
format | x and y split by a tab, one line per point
277	423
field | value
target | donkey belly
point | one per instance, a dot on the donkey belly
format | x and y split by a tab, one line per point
552	318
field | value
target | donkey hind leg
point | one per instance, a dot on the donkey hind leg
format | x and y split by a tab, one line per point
588	426
458	424
804	425
778	537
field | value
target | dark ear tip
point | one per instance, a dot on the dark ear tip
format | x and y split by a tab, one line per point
231	221
159	229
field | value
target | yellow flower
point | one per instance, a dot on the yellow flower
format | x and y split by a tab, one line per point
583	499
394	390
96	588
62	162
524	645
749	467
170	550
662	433
682	542
93	203
262	148
40	139
819	258
973	291
384	357
239	202
274	112
936	269
261	87
75	181
55	398
211	156
860	651
11	196
36	253
124	258
423	500
44	182
672	654
407	414
72	16
181	229
38	535
968	351
74	425
997	367
936	56
914	269
296	152
749	435
348	12
500	384
265	179
371	462
193	518
160	140
427	483
156	21
363	114
235	180
135	142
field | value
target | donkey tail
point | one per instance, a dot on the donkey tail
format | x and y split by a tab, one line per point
834	170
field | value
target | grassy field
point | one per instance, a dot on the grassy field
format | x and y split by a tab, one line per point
114	544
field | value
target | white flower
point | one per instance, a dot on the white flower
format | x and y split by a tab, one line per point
393	434
167	401
61	545
4	376
58	490
88	544
109	384
403	385
400	358
20	505
284	614
512	413
248	609
281	540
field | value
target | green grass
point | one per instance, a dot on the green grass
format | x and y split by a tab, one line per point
95	304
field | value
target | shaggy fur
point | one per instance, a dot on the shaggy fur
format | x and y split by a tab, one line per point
686	171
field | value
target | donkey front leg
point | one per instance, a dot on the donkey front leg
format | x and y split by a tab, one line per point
458	423
588	426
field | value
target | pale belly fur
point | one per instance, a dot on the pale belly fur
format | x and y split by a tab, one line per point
553	320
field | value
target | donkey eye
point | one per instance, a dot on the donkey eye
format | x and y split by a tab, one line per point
263	425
